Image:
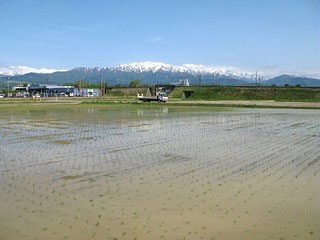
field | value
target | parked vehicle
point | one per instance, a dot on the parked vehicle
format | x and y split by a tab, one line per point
160	97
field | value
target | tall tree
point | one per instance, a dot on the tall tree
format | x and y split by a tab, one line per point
134	83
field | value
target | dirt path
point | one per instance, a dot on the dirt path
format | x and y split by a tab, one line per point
231	103
256	103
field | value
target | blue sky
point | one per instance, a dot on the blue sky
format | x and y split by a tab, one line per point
273	35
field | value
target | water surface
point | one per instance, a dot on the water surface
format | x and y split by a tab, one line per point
135	172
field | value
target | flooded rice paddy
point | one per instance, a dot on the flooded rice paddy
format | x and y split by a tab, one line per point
134	172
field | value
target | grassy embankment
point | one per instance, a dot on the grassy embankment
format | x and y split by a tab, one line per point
308	98
284	94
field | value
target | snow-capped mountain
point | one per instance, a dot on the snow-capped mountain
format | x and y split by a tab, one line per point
194	69
20	70
148	73
146	67
88	69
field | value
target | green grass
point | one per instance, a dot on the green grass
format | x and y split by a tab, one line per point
237	105
250	93
200	93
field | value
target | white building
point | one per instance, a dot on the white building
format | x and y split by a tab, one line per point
86	92
181	83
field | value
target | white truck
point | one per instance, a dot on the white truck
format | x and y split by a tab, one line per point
160	97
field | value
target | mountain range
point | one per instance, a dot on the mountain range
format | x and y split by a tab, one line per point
156	73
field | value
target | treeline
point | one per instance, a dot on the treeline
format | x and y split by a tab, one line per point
102	85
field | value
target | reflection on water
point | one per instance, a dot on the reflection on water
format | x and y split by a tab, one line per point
132	172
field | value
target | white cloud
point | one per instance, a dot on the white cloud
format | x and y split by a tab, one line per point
156	39
19	70
76	28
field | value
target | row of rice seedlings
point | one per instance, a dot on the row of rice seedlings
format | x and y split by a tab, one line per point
189	169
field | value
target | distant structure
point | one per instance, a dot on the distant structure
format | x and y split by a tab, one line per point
37	90
21	91
181	83
86	92
49	90
199	79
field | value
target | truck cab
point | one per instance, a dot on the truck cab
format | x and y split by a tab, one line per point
161	96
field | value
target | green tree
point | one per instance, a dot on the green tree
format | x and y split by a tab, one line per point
134	83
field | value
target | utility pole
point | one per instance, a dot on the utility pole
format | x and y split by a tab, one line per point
8	86
199	79
101	86
104	87
256	78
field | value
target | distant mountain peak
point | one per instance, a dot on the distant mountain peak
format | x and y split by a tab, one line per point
292	80
145	67
20	70
87	69
151	73
185	68
292	76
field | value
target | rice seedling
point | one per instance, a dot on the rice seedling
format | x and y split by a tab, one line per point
191	170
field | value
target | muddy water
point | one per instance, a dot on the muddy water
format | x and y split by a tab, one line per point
131	172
